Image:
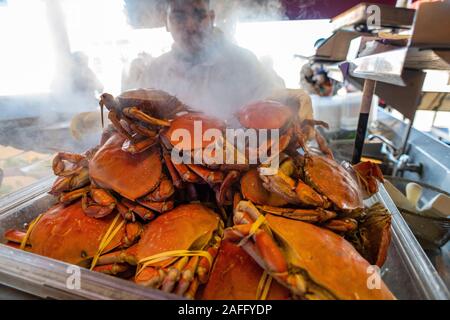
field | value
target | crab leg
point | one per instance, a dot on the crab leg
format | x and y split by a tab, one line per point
186	174
263	245
270	253
112	269
151	277
58	165
160	207
135	147
164	191
265	250
177	182
68	197
120	256
132	233
15	236
94	210
126	213
211	177
99	204
173	274
187	275
313	123
102	197
137	114
143	131
192	290
115	120
308	215
204	267
342	225
62	183
230	179
323	146
142	212
308	195
277	184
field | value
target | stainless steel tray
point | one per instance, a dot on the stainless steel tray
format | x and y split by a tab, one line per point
408	272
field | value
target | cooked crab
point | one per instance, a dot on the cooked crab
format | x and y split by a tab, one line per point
139	114
175	252
66	233
236	276
312	262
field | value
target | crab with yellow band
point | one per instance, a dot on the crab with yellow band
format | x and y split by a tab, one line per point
312	262
66	233
176	250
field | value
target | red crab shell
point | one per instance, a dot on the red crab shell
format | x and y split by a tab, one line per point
67	234
187	122
131	175
252	189
265	115
331	180
235	276
157	103
329	260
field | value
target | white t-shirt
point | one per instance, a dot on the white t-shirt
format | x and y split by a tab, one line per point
218	84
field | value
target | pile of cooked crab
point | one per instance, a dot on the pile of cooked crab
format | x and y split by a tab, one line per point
212	230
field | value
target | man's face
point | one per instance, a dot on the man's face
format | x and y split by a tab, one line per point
191	23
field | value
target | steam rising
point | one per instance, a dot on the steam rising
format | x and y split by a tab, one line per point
219	78
58	108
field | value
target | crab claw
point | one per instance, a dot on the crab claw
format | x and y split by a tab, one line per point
99	204
63	184
368	173
108	101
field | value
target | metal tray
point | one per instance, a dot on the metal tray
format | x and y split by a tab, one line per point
408	272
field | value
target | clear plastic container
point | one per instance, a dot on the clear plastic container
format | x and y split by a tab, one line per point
350	107
328	109
407	271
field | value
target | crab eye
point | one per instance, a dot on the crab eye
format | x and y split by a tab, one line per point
83	254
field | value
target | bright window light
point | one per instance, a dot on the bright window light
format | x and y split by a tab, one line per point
26	56
281	41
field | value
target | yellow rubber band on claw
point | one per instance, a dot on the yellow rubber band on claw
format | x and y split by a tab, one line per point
257	224
149	261
264	286
107	238
255	227
23	244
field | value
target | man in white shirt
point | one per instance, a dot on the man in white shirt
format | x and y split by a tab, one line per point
204	69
